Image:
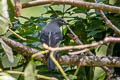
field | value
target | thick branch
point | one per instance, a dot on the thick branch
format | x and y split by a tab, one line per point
89	60
77	41
18	8
22	49
77	3
65	59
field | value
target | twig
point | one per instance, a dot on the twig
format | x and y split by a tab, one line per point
79	52
39	53
63	10
76	71
53	11
73	36
108	22
109	52
77	41
17	35
106	40
76	3
58	65
39	76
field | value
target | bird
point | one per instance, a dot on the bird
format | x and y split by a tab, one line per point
52	36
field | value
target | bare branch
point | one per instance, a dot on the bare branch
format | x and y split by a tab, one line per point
108	22
106	69
53	11
106	40
79	52
18	8
109	52
77	3
24	50
88	60
66	59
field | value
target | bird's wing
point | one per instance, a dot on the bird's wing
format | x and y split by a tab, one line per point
51	38
44	37
56	38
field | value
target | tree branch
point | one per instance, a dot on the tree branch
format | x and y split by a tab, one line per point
110	46
106	40
66	59
77	3
22	49
76	39
18	8
91	60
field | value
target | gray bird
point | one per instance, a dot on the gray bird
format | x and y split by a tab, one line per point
52	36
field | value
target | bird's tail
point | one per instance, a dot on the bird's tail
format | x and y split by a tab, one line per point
51	64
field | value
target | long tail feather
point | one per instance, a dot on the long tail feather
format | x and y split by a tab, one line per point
51	64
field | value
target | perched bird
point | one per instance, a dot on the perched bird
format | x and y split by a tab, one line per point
52	36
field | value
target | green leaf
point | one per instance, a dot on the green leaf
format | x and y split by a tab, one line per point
4	18
7	50
4	24
91	33
80	10
4	8
4	76
102	77
11	10
70	8
29	73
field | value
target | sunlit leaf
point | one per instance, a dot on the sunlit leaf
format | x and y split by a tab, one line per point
29	73
4	8
7	78
4	18
4	76
70	8
11	10
80	10
102	77
7	50
4	24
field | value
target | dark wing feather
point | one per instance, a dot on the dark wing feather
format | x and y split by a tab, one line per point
55	38
44	37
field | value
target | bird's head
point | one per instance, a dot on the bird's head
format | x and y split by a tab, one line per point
59	21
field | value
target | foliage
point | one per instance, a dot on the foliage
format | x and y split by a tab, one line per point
87	24
4	24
